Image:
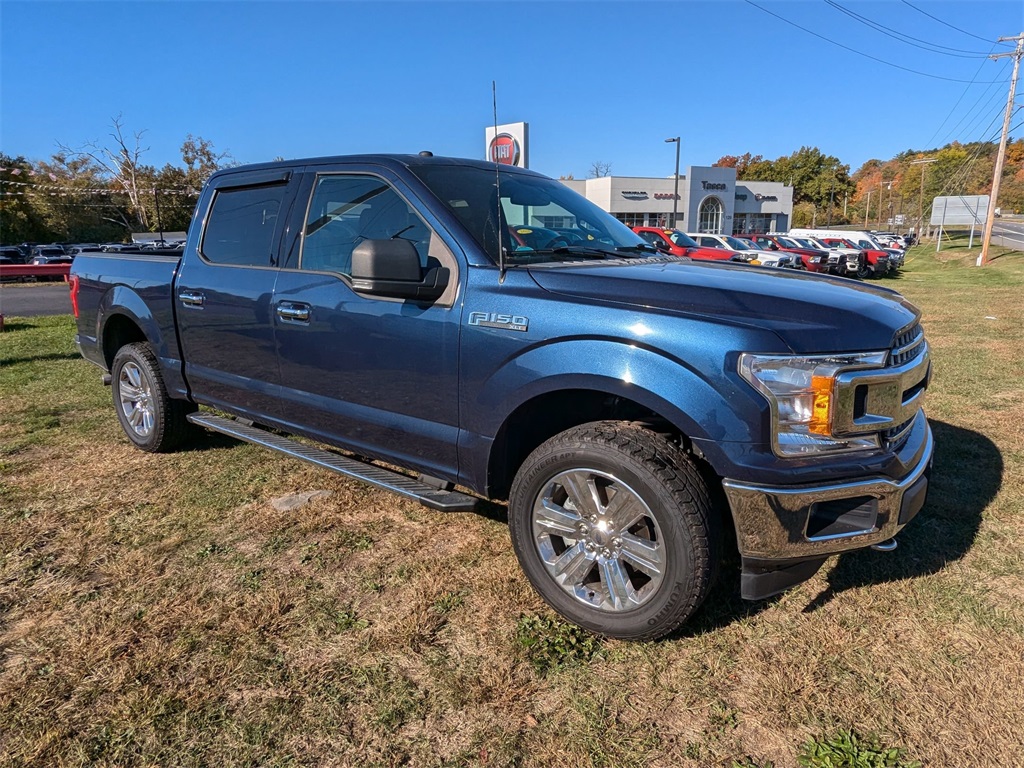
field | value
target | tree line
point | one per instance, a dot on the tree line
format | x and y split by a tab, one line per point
102	191
825	192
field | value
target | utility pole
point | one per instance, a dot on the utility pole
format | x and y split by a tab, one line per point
831	202
880	185
867	210
1001	157
920	200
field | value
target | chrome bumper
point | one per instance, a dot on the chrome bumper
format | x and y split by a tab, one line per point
791	523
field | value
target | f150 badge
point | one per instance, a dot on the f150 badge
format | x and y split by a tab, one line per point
497	320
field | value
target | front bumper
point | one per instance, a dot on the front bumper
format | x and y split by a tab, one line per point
785	533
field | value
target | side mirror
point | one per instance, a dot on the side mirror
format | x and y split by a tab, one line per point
392	268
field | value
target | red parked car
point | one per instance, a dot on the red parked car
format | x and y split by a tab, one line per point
681	244
877	261
813	259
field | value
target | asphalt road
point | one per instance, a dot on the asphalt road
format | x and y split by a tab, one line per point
33	300
1009	234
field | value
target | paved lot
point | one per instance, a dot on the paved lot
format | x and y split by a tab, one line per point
24	300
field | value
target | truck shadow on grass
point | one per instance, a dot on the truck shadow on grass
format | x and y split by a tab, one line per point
48	357
966	476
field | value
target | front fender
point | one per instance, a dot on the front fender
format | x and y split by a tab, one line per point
710	403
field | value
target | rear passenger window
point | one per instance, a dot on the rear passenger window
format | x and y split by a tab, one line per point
347	209
241	226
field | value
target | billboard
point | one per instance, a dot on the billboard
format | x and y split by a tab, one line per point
508	144
960	211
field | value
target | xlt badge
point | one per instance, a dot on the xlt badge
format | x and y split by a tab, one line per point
497	320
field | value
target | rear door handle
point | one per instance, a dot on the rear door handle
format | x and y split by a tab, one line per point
191	298
291	312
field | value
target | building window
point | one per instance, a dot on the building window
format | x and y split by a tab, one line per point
710	216
640	219
751	223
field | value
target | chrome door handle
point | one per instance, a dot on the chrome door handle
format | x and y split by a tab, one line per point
293	313
191	298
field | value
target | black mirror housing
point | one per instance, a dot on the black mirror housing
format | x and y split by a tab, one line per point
392	268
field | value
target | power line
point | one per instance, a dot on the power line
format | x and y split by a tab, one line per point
859	53
962	173
936	18
992	99
909	39
966	88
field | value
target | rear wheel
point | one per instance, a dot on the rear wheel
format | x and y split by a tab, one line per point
152	420
614	527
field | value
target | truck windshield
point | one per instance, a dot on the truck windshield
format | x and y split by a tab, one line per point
736	244
542	220
682	239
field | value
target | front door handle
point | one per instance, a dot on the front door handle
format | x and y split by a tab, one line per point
291	312
191	298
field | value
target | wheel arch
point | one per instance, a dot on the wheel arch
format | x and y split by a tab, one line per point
118	330
124	317
551	412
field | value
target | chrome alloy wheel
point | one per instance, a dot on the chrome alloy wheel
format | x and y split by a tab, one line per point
136	399
599	540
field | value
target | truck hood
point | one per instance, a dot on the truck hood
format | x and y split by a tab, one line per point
809	313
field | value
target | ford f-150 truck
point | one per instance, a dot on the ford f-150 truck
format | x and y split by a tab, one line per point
635	409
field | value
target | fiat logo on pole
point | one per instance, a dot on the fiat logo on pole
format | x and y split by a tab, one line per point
504	149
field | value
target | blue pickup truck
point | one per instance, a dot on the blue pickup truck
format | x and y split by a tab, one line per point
494	334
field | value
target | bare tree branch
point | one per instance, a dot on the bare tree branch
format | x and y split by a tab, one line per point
121	162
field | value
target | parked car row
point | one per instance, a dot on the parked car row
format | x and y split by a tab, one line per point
60	253
849	254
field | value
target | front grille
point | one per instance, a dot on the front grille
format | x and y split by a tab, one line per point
908	345
894	438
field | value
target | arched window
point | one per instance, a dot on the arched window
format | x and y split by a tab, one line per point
710	216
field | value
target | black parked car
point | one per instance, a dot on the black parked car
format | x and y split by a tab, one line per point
12	255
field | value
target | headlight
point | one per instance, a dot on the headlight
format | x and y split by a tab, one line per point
801	391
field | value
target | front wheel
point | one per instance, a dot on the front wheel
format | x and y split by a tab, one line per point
152	420
614	527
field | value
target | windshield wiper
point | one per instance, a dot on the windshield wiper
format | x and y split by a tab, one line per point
639	248
580	250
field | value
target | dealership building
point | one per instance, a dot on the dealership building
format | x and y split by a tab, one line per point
710	200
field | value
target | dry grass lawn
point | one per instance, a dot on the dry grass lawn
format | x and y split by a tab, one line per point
157	610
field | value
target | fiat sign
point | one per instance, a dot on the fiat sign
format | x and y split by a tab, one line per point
508	144
504	149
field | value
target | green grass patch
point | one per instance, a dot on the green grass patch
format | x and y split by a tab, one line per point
158	610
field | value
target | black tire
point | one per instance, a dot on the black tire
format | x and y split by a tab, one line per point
150	418
677	525
864	271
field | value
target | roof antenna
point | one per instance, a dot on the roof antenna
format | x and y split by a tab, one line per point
497	186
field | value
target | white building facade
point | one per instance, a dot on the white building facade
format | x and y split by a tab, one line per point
710	200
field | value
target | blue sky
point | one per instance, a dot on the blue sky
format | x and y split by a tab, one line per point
597	81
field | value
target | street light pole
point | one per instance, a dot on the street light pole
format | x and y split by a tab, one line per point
675	196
